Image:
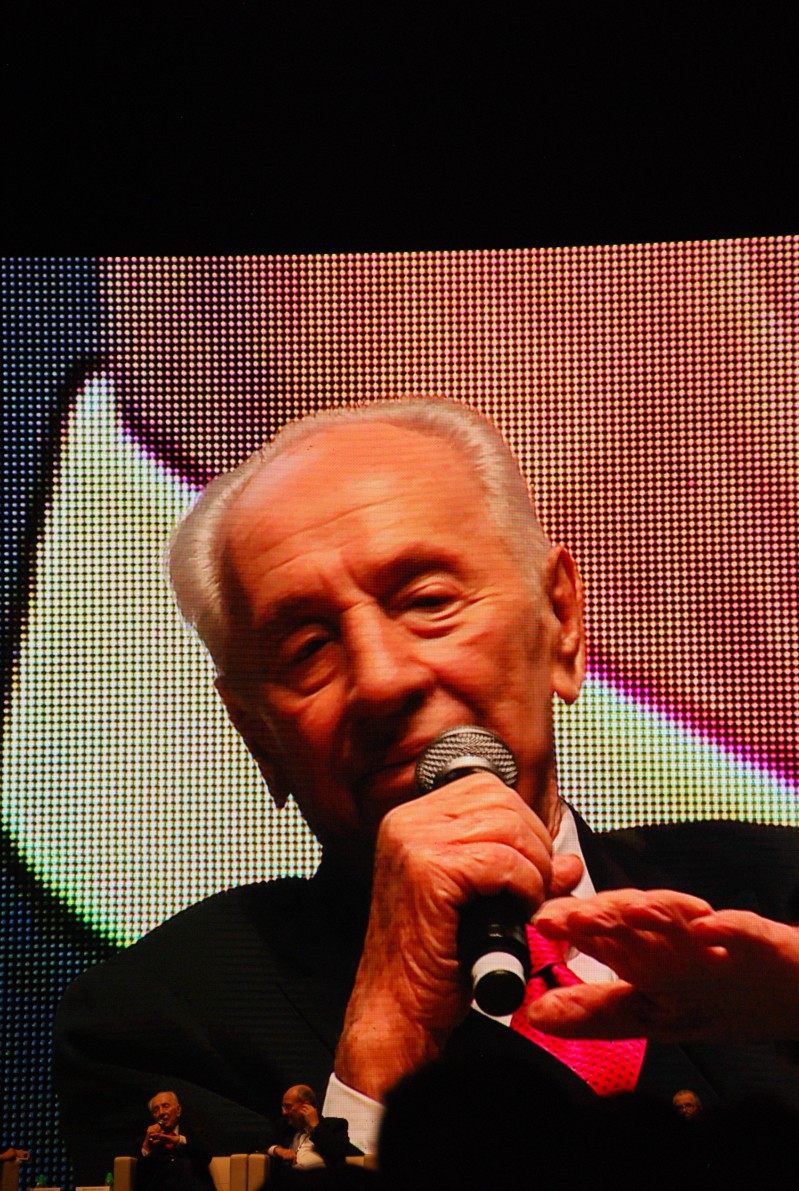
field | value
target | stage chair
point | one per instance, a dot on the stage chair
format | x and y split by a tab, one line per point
10	1175
238	1172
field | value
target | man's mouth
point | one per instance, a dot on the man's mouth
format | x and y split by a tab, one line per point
394	769
387	778
391	777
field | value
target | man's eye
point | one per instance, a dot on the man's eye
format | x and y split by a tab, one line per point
429	596
430	600
306	649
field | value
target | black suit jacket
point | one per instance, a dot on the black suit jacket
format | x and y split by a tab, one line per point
181	1168
331	1139
243	995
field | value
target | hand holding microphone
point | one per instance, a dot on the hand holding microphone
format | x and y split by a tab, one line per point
492	936
458	873
157	1136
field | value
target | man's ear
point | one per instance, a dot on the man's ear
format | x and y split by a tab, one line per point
258	739
563	590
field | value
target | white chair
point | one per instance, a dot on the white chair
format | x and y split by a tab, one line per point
239	1172
236	1172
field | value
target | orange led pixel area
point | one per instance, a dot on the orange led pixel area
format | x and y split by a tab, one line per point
649	392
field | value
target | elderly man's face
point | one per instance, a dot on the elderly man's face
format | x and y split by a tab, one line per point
165	1109
376	606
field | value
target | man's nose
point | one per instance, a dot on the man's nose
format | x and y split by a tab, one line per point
386	669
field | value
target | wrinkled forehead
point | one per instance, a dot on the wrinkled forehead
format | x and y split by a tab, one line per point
358	449
348	469
167	1098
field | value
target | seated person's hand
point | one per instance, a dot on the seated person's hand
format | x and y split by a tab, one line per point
310	1115
155	1137
687	972
286	1154
12	1154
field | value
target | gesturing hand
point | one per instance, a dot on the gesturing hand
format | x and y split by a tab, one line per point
309	1114
687	972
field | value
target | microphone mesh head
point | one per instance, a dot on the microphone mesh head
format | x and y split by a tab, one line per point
464	743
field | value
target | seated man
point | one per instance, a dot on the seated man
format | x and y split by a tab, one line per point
172	1159
308	1139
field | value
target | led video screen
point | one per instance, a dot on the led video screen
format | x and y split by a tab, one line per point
649	394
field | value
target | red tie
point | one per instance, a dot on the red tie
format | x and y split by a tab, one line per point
606	1066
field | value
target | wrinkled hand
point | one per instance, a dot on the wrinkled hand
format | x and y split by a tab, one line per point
152	1137
155	1136
286	1154
474	837
687	973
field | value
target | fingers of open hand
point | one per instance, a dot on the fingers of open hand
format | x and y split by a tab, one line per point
745	943
645	936
740	930
661	910
615	1011
586	1011
686	971
624	926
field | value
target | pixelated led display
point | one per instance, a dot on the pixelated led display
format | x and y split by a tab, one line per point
649	393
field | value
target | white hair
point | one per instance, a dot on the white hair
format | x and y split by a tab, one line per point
196	550
153	1099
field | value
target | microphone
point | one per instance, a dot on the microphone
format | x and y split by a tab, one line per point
492	935
168	1138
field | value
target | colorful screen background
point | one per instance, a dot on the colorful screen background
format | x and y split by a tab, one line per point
649	392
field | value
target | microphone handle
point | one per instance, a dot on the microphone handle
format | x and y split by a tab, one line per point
493	949
492	931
